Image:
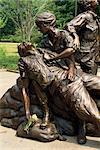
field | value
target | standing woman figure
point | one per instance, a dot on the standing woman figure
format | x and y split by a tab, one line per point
85	30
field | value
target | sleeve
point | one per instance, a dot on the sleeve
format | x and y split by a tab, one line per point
22	68
45	42
68	41
78	22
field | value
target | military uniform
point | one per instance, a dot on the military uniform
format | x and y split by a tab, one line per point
51	48
74	93
86	25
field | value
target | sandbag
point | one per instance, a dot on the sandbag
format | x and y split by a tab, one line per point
8	102
8	113
35	132
16	93
13	122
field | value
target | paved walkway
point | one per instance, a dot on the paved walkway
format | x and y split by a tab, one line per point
9	141
7	79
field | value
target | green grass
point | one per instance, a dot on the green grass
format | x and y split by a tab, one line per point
10	48
8	56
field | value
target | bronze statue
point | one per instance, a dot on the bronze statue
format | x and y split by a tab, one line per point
61	42
86	30
15	94
49	85
48	72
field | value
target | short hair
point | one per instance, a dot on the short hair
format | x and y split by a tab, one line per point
24	48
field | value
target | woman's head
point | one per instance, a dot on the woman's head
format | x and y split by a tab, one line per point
85	5
25	49
45	20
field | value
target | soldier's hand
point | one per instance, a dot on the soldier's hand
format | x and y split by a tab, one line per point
76	44
72	74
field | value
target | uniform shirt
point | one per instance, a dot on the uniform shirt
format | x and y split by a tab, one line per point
62	41
87	27
59	43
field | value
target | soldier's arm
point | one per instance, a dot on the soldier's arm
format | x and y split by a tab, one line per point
24	88
70	62
76	24
26	98
72	68
66	53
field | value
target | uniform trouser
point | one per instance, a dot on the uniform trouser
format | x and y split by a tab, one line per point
87	61
92	84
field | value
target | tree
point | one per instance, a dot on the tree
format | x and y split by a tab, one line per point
64	11
18	16
2	22
23	13
7	29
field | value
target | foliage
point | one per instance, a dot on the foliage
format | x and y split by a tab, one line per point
36	36
64	10
98	10
8	29
17	17
2	22
23	13
17	22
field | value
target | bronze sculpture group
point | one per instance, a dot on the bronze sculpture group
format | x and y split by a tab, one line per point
52	97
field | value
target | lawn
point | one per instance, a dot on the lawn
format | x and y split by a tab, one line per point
10	48
8	55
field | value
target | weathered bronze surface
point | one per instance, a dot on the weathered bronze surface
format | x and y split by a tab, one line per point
65	99
87	26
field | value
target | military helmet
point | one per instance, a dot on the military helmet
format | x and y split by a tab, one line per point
87	4
46	18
